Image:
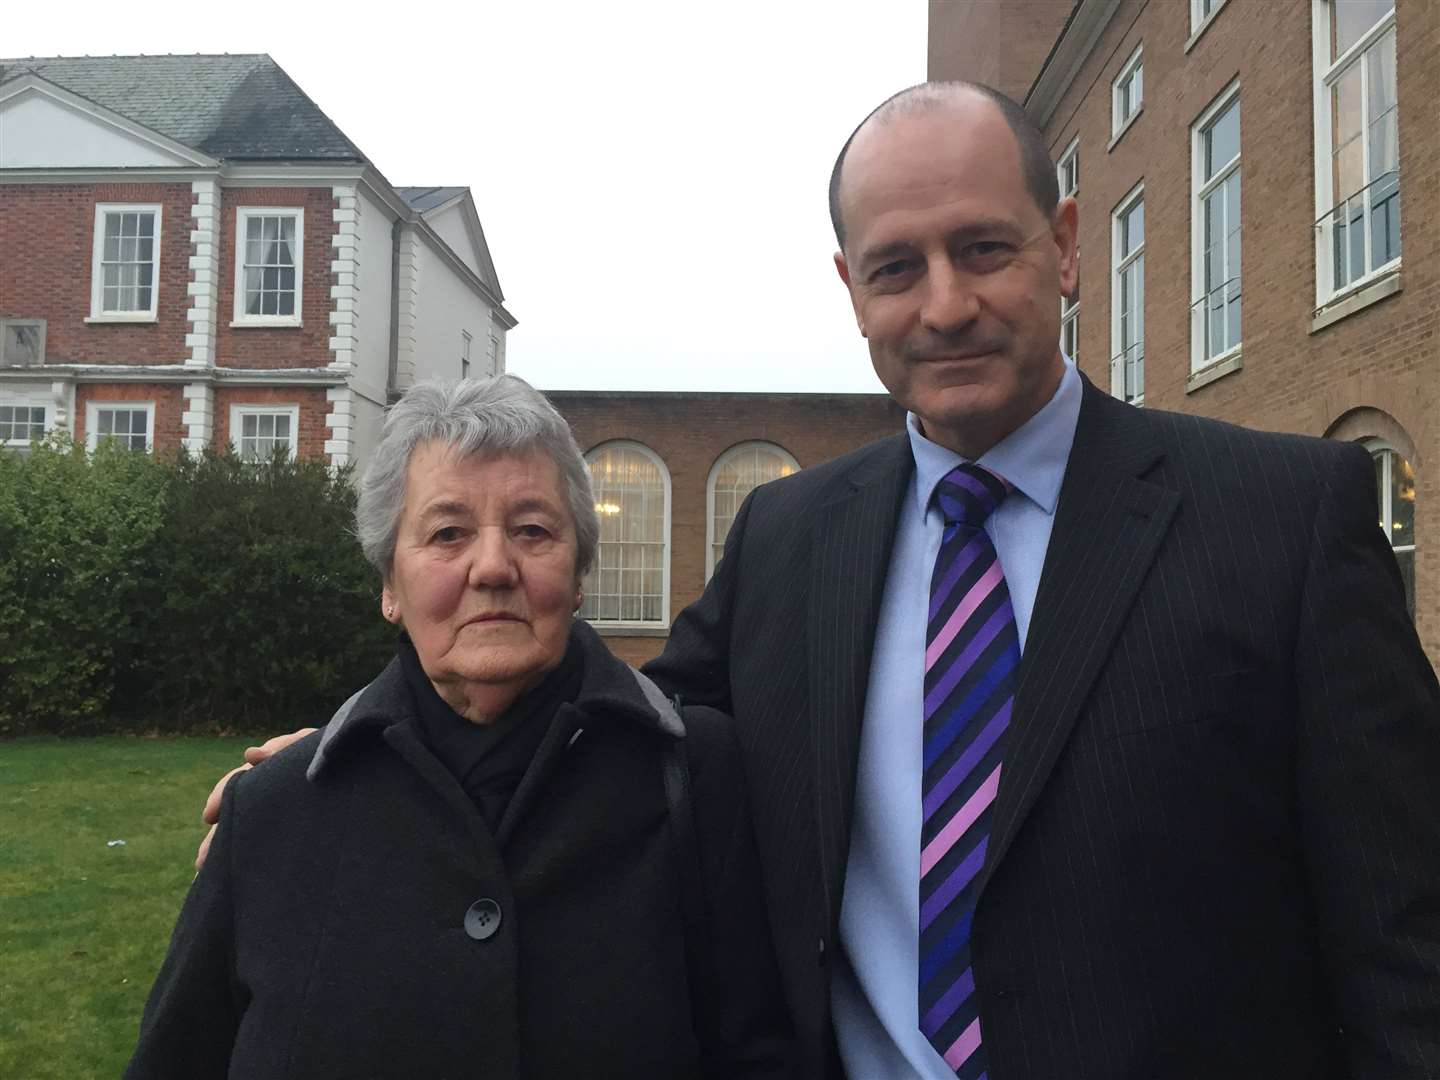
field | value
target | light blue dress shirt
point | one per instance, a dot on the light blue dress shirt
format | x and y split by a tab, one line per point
874	990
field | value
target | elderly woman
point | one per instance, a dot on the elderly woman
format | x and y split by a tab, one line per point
507	856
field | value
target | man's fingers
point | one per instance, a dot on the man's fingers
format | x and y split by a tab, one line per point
204	849
270	747
211	813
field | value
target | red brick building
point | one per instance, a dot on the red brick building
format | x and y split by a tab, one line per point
1258	185
671	470
192	254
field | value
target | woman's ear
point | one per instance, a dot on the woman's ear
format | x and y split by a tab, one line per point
388	607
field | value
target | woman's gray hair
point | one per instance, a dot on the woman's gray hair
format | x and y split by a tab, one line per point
474	418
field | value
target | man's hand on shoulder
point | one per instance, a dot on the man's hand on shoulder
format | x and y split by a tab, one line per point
254	755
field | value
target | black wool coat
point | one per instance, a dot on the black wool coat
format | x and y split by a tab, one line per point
327	934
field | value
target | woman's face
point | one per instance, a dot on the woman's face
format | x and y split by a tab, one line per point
484	575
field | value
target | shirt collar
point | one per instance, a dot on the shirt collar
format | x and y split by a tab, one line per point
1032	457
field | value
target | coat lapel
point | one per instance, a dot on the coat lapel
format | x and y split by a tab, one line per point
853	532
1109	523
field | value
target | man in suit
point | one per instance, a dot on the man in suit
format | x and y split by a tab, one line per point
1083	740
1201	833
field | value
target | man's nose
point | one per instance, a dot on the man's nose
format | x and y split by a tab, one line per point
492	559
950	302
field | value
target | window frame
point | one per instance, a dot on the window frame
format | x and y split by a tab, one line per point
663	622
729	455
240	317
97	277
1118	124
92	417
1326	74
22	402
1200	19
1200	190
465	342
1377	447
1135	195
240	410
1070	308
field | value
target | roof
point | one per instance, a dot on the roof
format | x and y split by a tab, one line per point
423	199
240	107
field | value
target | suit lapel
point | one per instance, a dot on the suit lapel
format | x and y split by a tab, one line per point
853	530
1108	527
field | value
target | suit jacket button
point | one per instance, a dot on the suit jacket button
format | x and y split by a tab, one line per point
483	919
820	955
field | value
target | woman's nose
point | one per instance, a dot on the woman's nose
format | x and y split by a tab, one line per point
492	562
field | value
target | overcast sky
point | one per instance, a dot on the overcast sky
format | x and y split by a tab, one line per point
650	173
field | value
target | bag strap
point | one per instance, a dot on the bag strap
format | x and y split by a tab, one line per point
681	804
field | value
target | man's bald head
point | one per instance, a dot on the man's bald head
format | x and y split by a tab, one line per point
1035	164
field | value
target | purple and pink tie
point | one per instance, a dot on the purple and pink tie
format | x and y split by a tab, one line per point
972	653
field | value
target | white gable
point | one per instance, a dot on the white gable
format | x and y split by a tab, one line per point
451	226
39	129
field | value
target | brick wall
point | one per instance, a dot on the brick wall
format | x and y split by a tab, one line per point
690	431
1373	373
311	400
279	346
47	236
169	404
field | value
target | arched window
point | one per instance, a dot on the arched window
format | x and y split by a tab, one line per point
630	582
1395	481
737	472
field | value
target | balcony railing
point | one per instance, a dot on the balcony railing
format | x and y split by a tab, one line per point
1127	369
1364	229
1218	312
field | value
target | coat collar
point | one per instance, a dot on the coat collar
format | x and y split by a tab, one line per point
1113	514
852	534
610	691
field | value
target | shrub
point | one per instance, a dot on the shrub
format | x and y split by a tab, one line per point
74	531
268	610
179	594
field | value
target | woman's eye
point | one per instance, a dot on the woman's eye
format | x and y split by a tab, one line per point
533	532
448	534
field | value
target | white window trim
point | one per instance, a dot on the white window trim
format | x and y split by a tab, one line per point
663	622
97	250
1117	372
92	411
720	462
239	411
1386	509
20	401
1200	188
1070	152
1119	126
1326	74
1069	313
465	342
240	317
1200	23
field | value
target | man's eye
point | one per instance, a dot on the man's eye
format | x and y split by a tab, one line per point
985	251
892	270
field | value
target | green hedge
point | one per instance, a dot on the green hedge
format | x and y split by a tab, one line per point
202	593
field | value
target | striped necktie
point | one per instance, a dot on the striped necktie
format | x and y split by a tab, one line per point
972	652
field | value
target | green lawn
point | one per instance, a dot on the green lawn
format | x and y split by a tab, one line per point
84	926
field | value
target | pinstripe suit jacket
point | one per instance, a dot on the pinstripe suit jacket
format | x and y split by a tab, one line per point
1216	843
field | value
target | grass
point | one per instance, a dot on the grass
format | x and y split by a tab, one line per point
84	926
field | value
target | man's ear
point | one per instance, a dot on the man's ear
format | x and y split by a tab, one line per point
1066	230
843	269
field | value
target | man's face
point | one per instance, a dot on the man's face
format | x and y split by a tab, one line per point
954	272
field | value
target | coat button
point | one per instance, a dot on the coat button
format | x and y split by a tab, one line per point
483	919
